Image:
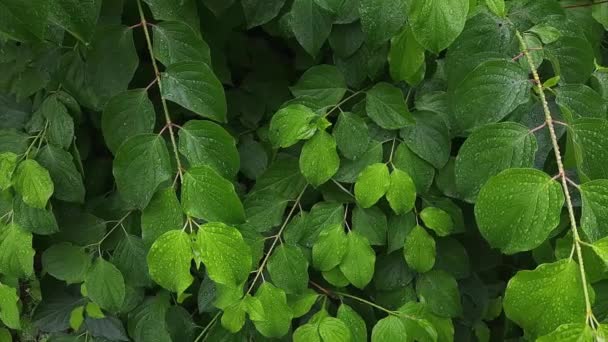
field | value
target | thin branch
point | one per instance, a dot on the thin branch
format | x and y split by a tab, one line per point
562	172
162	99
586	4
208	326
274	242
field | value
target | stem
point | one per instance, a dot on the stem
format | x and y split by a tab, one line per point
343	102
274	242
144	25
207	327
586	5
364	301
562	173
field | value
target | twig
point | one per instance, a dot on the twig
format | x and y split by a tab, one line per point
560	166
162	99
585	5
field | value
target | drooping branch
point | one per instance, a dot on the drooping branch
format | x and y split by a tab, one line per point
562	174
168	123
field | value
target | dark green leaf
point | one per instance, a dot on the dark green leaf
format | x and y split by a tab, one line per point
193	86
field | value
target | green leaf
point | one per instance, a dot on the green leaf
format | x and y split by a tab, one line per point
226	256
164	213
371	223
490	150
321	216
264	210
169	261
291	124
333	329
105	285
359	260
8	163
193	86
401	194
66	262
259	12
288	269
569	333
389	329
352	135
438	220
535	299
310	24
385	105
350	169
381	21
33	183
594	218
323	84
206	195
5	335
422	173
283	177
319	160
302	303
600	14
329	248
354	322
590	146
24	21
34	220
346	39
419	250
572	56
373	182
170	10
9	309
130	258
276	318
487	94
439	291
581	101
67	181
111	63
437	23
207	143
77	17
233	317
77	318
176	42
125	115
517	209
429	138
60	130
547	33
307	333
497	7
406	58
141	165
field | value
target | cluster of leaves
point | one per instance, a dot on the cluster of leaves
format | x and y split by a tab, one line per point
306	170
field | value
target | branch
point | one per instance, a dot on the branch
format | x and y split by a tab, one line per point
585	5
276	239
562	174
169	124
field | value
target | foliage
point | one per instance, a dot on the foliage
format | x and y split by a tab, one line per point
306	170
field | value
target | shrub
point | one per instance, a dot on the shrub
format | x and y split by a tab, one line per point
306	170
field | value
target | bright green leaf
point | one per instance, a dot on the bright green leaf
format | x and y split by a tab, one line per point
437	23
373	182
33	183
419	250
206	195
517	209
319	160
401	194
169	261
359	260
330	248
